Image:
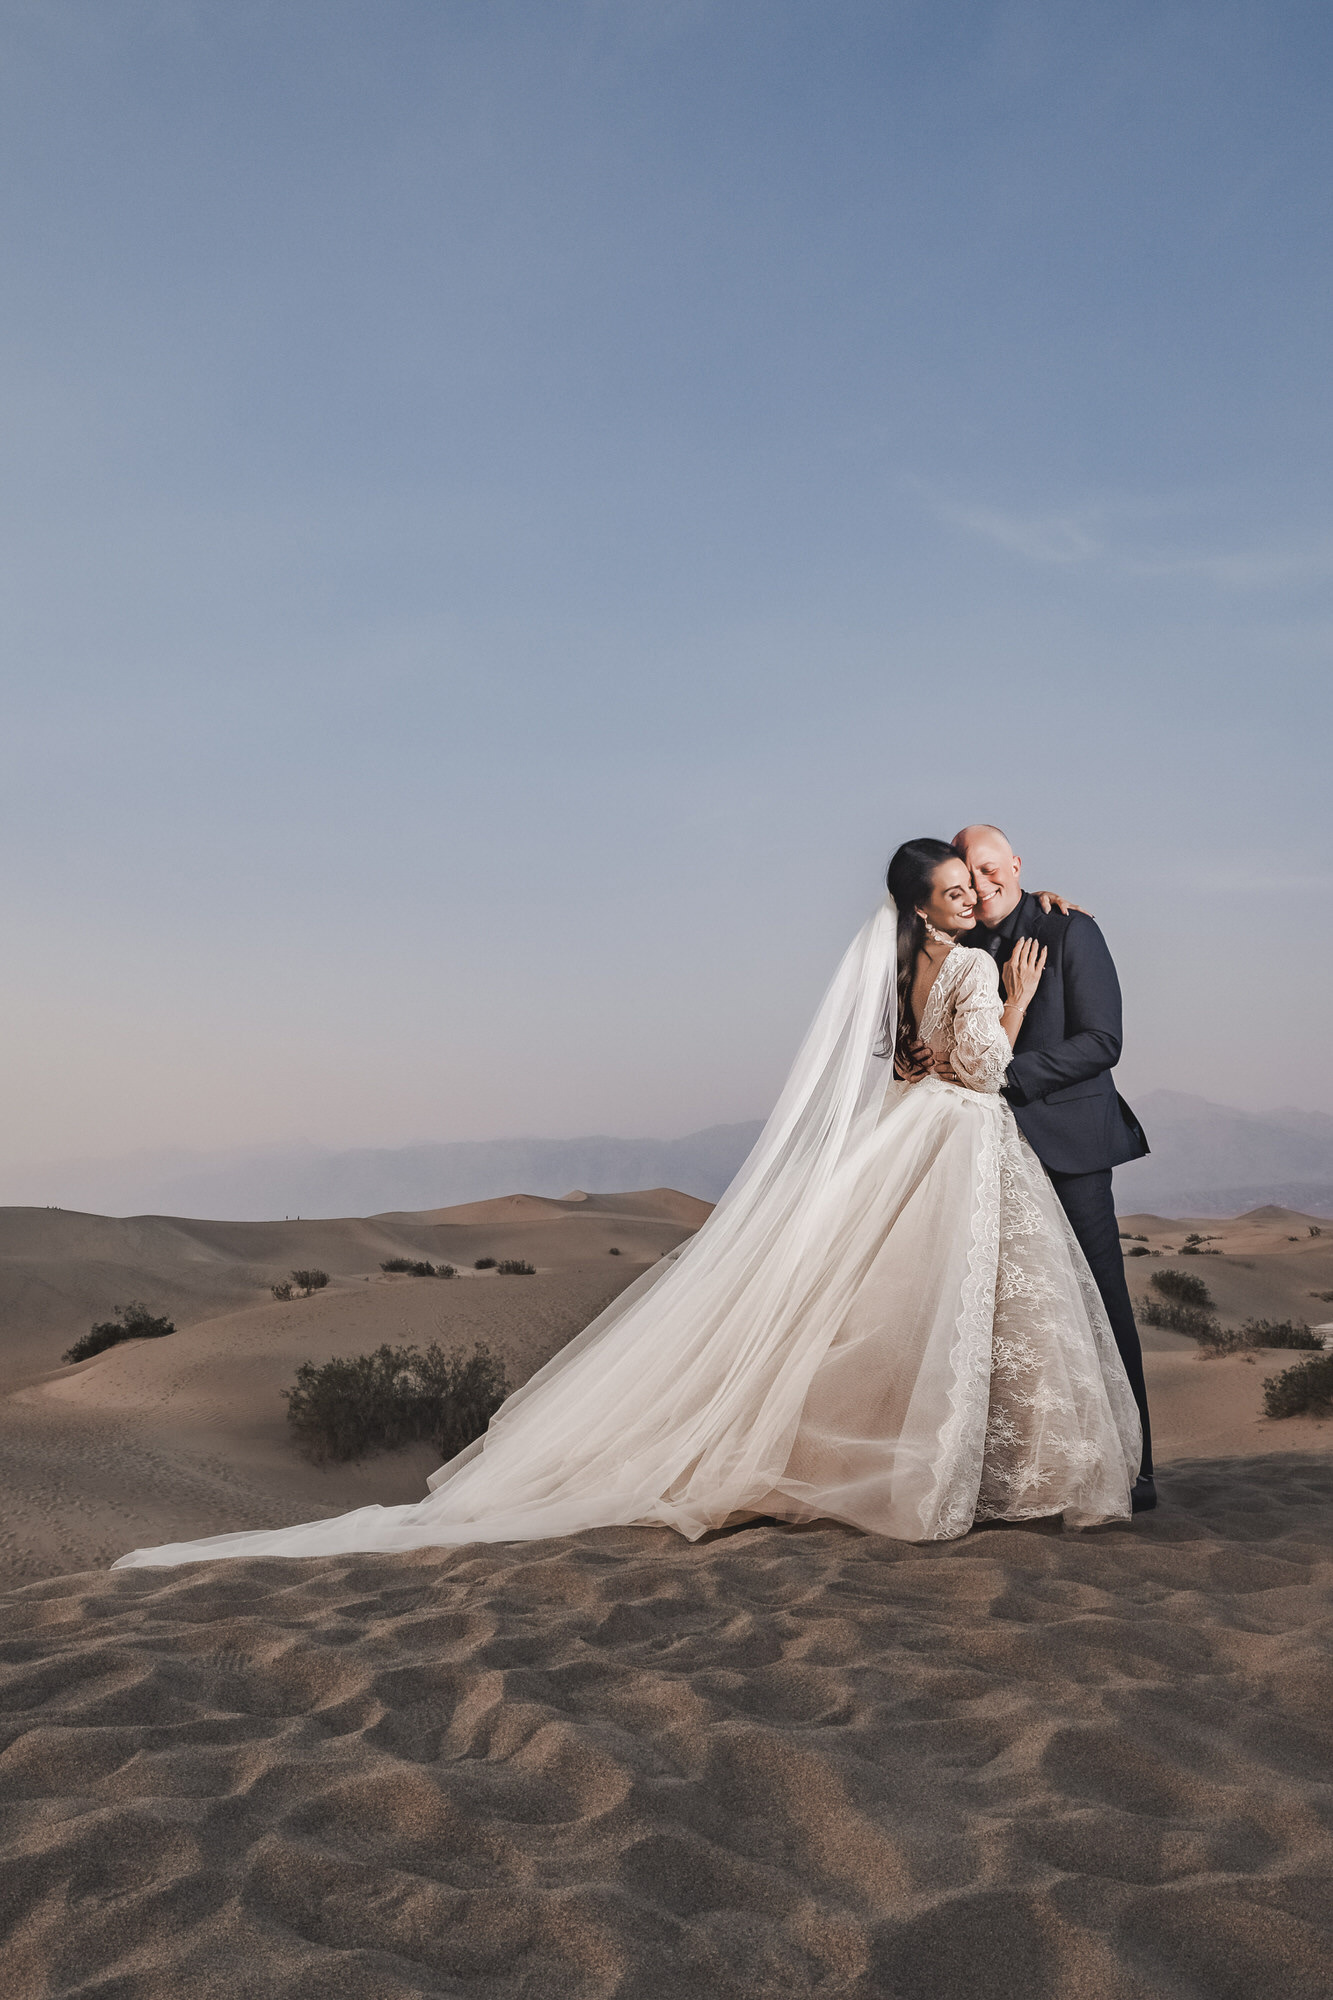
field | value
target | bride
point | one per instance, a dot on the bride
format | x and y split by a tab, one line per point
886	1320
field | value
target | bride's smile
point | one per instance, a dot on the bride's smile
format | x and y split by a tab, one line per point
952	903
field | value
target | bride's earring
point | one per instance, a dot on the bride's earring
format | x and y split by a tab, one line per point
936	937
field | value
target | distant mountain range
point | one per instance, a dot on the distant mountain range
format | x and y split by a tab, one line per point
310	1181
1207	1159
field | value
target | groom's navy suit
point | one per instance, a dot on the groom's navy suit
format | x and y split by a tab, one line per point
1059	1085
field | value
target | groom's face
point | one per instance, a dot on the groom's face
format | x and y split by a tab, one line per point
996	872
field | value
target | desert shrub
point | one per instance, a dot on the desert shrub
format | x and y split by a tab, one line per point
515	1267
1216	1339
421	1269
1139	1250
1197	1321
1326	1297
1281	1333
310	1281
1307	1386
613	1252
1201	1324
132	1322
282	1291
484	1264
395	1396
1315	1230
1182	1287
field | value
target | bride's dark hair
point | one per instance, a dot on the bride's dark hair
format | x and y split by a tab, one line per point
910	880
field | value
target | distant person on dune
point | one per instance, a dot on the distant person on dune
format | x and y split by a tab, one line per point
887	1320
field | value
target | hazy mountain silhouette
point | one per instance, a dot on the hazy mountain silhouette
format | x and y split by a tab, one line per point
1206	1159
1209	1159
311	1181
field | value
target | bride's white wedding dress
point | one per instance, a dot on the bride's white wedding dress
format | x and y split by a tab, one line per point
886	1321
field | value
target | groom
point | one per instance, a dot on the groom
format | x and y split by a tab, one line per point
1059	1082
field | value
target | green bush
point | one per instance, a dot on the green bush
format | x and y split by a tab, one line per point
282	1291
1307	1386
423	1269
310	1281
1202	1325
515	1267
1182	1287
1218	1339
1139	1250
484	1264
132	1322
395	1396
1281	1333
1197	1321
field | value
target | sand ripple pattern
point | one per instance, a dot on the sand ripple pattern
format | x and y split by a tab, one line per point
779	1763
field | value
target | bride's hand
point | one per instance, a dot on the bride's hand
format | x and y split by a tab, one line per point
1023	971
1048	899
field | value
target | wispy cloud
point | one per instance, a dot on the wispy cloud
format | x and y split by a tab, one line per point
1106	535
1040	538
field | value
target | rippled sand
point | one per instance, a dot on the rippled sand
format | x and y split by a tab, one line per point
779	1763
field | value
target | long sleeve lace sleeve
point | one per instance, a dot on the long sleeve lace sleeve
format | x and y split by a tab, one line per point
981	1051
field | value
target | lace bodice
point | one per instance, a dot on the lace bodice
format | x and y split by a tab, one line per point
961	1019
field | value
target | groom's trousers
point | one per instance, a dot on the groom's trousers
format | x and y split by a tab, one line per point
1088	1202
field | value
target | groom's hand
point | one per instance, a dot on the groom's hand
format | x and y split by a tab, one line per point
1047	897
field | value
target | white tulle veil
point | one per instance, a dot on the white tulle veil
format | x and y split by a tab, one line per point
834	1088
745	1267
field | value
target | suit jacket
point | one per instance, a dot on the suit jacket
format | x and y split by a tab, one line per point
1059	1082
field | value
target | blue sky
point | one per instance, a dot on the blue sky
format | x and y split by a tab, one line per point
511	511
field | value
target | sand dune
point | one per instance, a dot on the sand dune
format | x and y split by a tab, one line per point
782	1762
188	1435
785	1762
1268	1266
59	1270
161	1440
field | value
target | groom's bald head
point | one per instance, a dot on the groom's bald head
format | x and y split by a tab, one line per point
996	870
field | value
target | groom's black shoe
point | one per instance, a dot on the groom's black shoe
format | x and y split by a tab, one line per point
1143	1494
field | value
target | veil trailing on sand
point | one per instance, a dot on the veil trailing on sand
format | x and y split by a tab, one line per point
767	1238
679	1402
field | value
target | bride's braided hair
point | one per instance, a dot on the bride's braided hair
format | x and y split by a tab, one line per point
910	880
